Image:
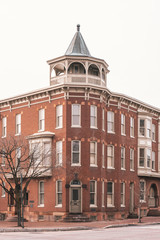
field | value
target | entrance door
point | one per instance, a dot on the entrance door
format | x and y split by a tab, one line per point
75	200
152	196
131	202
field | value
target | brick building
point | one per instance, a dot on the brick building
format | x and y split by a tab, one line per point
107	145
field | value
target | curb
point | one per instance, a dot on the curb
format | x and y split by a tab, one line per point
131	225
44	229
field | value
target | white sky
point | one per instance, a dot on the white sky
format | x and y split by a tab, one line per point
125	33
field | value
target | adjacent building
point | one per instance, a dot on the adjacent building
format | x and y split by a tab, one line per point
106	144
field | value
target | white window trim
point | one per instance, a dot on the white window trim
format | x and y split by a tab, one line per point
95	196
103	155
72	125
144	200
41	117
112	121
110	167
132	127
123	125
59	163
132	169
76	164
103	119
18	117
123	204
103	194
40	205
111	205
58	205
95	164
4	126
57	116
3	191
124	167
95	107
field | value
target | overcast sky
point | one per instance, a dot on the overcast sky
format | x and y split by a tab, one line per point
125	33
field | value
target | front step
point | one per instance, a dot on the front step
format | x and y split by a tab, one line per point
76	218
154	212
13	219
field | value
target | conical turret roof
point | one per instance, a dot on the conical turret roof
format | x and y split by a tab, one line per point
77	46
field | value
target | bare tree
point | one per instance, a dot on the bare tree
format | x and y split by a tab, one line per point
20	162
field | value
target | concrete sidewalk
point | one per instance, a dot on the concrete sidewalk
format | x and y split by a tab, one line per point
62	226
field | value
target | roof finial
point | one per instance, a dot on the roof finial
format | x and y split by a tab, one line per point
78	27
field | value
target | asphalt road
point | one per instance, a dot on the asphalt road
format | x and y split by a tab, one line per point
151	232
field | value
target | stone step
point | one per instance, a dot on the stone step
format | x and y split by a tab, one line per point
76	218
154	213
13	219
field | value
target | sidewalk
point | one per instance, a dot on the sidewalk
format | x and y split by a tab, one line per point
62	226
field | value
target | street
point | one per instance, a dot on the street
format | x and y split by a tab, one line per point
122	233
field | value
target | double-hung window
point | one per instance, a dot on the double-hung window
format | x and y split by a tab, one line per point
122	194
131	159
122	124
93	153
18	124
59	193
148	158
4	127
3	190
59	116
103	164
153	132
110	194
41	194
103	119
41	119
93	193
153	160
110	122
131	127
148	128
76	152
110	156
76	115
93	116
122	158
59	153
142	190
141	157
142	127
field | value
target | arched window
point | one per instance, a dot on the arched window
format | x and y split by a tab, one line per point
93	70
76	68
58	70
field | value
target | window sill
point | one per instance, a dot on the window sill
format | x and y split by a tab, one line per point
58	128
93	206
75	165
154	141
41	205
132	170
110	206
132	137
17	134
123	169
123	206
110	132
3	136
123	134
92	165
92	127
75	126
111	168
3	196
41	130
58	206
